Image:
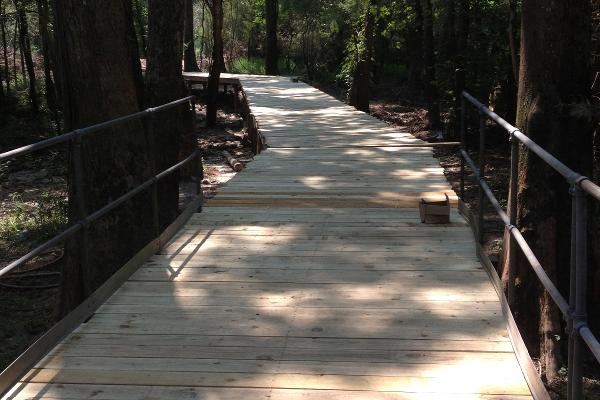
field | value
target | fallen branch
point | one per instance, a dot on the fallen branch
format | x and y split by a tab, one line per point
233	163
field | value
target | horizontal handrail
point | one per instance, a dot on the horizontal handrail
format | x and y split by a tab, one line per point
21	151
574	310
572	177
560	301
82	223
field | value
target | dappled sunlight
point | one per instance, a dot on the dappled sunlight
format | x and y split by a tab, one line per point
310	276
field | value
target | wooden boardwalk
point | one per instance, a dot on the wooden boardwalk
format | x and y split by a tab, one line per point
309	277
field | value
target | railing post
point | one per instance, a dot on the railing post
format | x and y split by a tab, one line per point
81	207
152	141
512	214
459	86
578	296
463	146
481	175
199	172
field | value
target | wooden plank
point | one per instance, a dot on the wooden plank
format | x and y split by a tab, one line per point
44	391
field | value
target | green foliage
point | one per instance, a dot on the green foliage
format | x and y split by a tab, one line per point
256	66
28	224
248	65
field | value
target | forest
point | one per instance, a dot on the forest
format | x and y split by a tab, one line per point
66	65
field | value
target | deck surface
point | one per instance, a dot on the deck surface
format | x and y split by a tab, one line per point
309	277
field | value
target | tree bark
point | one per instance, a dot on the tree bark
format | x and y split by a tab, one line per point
190	63
25	44
554	111
141	25
415	49
51	97
272	49
217	66
512	42
5	51
431	90
359	95
164	83
99	84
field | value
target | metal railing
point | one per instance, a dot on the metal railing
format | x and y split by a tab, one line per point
574	310
45	343
85	220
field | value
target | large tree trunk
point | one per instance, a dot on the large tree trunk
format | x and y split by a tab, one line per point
431	90
553	110
415	49
359	95
140	22
217	66
164	83
25	44
51	98
100	83
190	63
272	49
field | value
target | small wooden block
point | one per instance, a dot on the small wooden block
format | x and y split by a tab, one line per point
435	211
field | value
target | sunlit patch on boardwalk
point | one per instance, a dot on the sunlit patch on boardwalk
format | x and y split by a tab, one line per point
309	277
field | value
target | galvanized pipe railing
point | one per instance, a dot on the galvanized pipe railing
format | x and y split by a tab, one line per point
574	311
85	218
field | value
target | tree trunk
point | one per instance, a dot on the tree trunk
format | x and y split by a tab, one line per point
359	96
212	92
51	98
512	42
25	45
14	55
415	49
100	83
553	110
5	51
431	90
272	49
141	25
164	83
190	62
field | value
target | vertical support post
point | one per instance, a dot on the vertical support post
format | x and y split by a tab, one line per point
81	207
463	146
572	291
512	214
236	100
155	209
199	175
580	312
481	176
459	87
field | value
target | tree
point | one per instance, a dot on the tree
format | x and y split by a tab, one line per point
51	97
272	48
5	47
164	83
361	80
554	111
217	66
415	48
100	83
140	23
26	56
431	90
190	63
